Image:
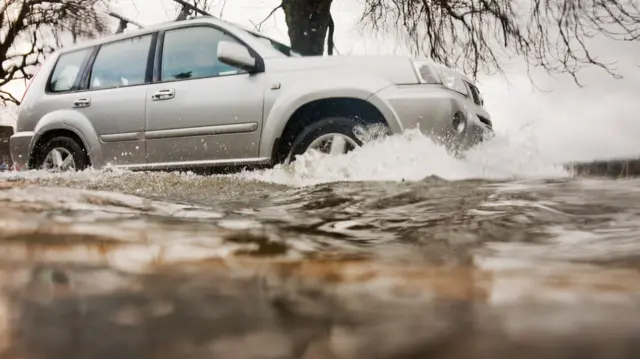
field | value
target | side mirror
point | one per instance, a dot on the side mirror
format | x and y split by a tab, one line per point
236	55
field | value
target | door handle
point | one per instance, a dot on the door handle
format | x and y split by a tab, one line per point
81	102
163	95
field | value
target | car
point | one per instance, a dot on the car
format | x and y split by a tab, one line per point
203	92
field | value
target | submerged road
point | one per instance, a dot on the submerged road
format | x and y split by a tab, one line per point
120	264
397	251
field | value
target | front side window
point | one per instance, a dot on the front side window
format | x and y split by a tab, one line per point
192	53
67	70
121	63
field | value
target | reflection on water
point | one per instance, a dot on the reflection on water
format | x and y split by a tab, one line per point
168	265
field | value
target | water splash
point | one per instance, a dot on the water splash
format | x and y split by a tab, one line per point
410	156
413	156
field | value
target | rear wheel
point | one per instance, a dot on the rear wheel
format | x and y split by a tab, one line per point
336	135
63	154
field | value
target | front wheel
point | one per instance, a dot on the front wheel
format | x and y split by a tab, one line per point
63	154
335	135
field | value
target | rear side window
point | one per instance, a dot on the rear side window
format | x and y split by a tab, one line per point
121	63
192	53
67	70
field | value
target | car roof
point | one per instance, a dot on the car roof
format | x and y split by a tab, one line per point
142	31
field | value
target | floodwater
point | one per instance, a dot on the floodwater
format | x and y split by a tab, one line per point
395	250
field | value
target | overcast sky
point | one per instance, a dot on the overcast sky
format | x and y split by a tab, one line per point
599	120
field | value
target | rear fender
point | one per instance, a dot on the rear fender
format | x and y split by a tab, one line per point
75	122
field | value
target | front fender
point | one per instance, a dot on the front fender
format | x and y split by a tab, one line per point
75	122
281	104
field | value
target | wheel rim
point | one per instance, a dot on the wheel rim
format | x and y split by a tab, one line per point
59	160
333	143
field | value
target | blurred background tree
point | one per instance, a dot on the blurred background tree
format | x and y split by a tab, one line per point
477	35
30	29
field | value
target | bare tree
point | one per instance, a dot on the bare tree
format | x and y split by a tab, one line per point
309	23
30	29
475	34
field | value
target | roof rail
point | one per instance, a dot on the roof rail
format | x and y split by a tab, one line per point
187	9
123	22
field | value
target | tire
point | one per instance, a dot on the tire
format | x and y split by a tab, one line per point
334	125
79	154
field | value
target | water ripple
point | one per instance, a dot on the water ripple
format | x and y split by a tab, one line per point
333	270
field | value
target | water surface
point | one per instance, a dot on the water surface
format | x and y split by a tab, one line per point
359	256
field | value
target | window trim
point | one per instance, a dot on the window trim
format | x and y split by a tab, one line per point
86	76
157	68
154	61
86	70
77	82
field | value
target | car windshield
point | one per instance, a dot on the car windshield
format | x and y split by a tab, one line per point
282	48
278	46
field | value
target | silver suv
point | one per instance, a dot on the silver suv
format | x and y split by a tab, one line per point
204	92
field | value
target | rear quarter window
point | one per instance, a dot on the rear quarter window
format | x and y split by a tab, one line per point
67	70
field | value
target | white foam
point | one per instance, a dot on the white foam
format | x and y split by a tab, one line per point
410	156
413	156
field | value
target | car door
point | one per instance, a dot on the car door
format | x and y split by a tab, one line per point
199	110
116	97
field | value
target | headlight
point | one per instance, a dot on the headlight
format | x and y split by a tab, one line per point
432	73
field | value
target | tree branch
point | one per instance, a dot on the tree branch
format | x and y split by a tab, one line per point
476	35
7	97
222	6
34	24
330	40
258	27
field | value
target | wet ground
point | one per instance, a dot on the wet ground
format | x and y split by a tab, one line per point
261	265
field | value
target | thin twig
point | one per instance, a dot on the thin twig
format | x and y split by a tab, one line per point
258	27
476	35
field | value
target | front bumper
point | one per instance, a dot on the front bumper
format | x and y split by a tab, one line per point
449	118
20	145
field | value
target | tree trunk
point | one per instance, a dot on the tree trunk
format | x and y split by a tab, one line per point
308	21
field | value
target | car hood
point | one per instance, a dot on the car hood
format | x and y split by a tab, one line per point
397	69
